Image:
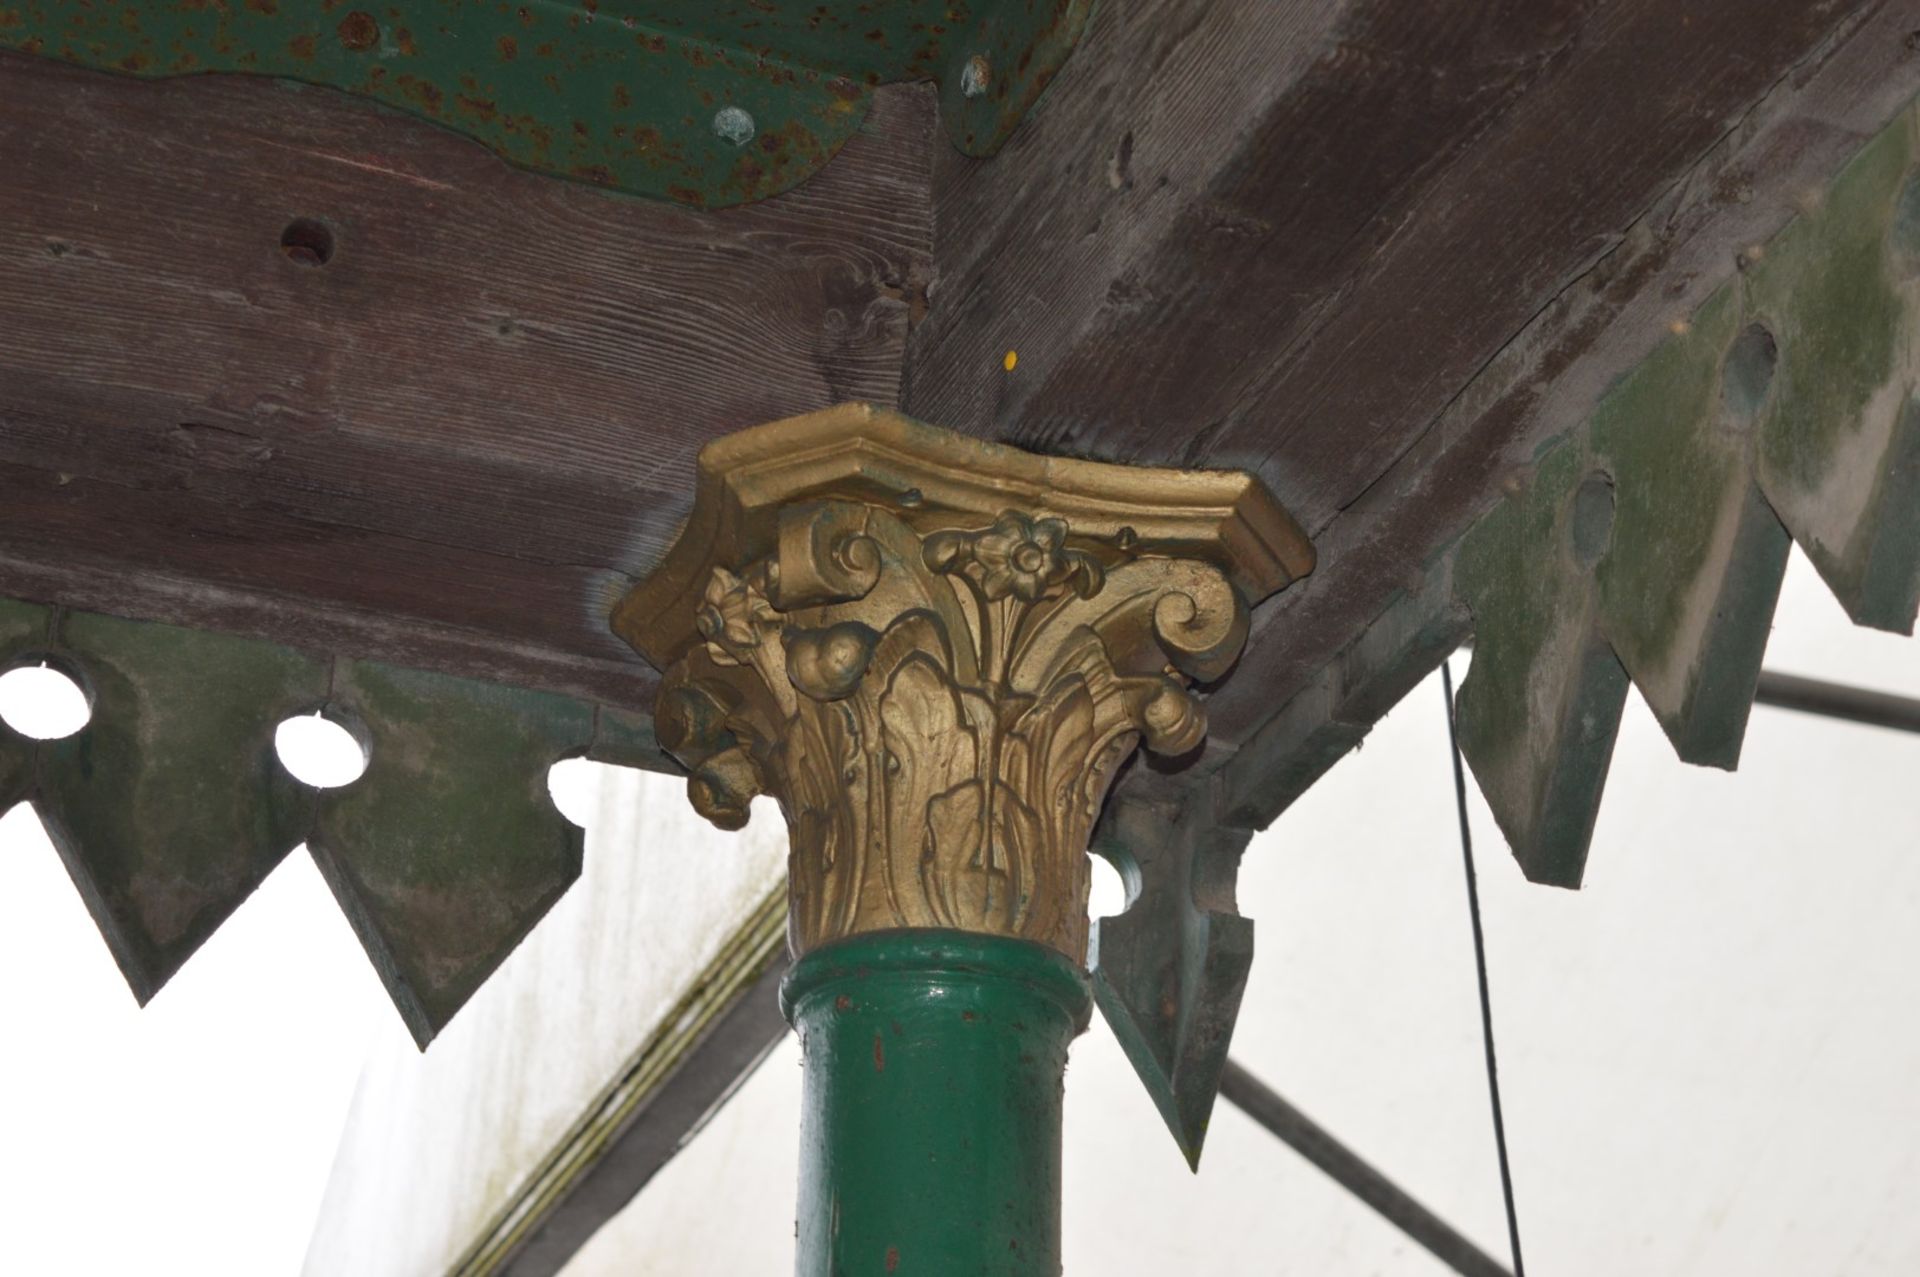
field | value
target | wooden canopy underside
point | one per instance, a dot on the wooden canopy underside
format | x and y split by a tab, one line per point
1290	238
1425	269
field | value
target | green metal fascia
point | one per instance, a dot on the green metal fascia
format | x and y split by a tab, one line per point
171	805
708	104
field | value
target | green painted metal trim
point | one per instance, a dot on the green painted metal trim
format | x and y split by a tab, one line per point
170	806
708	104
930	1131
448	850
1689	584
1786	407
23	632
1541	704
1170	969
1839	449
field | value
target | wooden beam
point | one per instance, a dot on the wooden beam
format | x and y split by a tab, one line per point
1378	252
1384	265
449	445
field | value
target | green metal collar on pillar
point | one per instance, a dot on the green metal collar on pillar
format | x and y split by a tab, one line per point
930	1136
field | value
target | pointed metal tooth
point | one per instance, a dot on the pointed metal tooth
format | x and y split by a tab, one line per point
448	850
1169	972
1692	574
1839	438
170	806
1541	704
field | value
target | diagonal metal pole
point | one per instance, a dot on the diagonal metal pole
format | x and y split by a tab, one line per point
1836	700
1307	1138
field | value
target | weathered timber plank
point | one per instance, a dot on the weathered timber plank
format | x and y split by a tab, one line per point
450	443
1588	332
1295	193
1331	716
1034	243
1316	305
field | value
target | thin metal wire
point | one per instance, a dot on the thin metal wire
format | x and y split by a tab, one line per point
1480	965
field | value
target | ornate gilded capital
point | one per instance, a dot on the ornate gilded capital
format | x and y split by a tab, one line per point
936	652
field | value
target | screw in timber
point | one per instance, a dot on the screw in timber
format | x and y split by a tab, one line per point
975	76
733	124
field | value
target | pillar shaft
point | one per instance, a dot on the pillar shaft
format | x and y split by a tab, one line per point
930	1138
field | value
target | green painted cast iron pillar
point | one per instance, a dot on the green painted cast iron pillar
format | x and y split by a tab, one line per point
930	1136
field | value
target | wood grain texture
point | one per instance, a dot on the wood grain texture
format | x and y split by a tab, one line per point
1377	251
451	444
1441	233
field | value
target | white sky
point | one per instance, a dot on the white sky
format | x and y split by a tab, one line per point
1709	1054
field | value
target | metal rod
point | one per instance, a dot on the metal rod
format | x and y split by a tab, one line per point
1836	700
1830	700
1300	1133
1480	968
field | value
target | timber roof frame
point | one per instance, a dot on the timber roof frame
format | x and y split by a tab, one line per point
1235	235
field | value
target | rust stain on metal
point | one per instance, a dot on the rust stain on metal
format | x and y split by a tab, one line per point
358	31
804	73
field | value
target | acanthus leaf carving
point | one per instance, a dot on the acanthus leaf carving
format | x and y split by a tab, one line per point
940	712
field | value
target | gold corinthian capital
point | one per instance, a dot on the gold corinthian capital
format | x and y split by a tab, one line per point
936	652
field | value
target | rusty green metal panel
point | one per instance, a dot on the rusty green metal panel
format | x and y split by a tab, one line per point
1839	454
1169	971
707	103
1690	580
23	634
171	806
1541	704
448	850
930	1129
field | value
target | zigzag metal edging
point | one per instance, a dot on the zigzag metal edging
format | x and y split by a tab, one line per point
171	806
1651	542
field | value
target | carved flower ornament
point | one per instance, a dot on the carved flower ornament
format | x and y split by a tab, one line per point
1018	556
734	616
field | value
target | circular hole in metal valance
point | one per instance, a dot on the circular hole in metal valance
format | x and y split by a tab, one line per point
43	703
320	751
